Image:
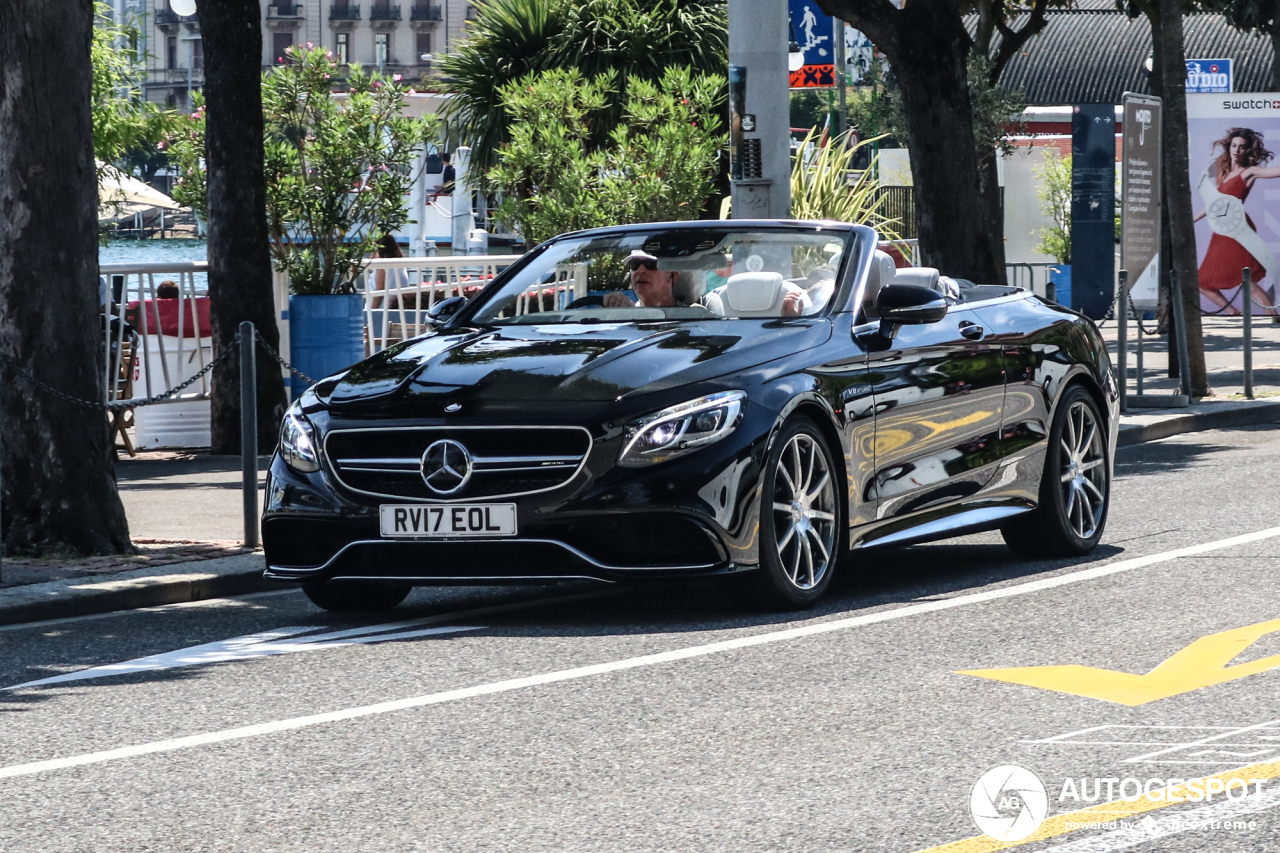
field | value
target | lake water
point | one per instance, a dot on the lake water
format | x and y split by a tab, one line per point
151	251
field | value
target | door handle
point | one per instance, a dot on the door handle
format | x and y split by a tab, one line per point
972	331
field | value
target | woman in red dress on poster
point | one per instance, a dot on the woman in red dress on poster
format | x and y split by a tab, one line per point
1235	243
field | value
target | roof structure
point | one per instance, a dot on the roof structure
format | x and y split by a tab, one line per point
1093	54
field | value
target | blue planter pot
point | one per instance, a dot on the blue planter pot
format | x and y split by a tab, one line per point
1060	275
326	335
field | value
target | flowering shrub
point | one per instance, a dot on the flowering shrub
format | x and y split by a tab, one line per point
337	167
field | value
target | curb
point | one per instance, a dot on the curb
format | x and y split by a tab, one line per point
1222	416
131	590
242	574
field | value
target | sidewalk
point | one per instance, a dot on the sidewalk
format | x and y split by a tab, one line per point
186	512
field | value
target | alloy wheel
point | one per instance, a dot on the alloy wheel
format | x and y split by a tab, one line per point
1084	471
804	511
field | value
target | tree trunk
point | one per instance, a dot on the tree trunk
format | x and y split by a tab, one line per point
1166	28
239	255
928	49
59	487
993	210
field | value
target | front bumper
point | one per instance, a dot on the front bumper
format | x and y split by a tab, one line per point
697	515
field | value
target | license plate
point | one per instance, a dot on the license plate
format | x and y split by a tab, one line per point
450	520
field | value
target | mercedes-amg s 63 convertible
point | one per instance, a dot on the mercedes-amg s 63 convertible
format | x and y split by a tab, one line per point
766	399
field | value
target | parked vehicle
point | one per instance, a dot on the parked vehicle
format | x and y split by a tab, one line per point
802	401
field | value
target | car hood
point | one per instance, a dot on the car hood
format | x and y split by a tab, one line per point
573	362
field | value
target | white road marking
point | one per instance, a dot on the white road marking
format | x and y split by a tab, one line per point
1151	828
686	653
262	644
1263	739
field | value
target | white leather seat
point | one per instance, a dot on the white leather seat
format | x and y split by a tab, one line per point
920	276
883	271
751	294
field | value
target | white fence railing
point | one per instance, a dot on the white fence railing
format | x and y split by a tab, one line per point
398	292
172	334
396	304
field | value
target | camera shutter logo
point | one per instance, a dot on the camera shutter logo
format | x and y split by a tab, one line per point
1008	803
446	466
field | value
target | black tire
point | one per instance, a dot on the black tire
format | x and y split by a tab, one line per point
1075	486
348	597
799	508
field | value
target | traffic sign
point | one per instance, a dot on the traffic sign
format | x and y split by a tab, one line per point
815	32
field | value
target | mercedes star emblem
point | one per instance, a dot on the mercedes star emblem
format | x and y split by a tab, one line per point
446	466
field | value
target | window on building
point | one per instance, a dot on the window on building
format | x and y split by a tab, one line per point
171	52
280	43
423	47
342	48
381	49
197	54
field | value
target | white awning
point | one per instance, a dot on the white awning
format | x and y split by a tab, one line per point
119	194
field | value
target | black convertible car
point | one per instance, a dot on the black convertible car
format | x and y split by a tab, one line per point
691	399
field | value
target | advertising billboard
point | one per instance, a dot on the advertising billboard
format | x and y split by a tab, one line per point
1140	198
1233	142
1209	76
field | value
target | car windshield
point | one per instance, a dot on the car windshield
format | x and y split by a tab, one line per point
674	274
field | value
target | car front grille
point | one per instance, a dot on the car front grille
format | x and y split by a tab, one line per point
504	461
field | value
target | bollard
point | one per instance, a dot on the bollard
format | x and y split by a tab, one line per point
1246	292
1	493
1122	343
1180	322
249	431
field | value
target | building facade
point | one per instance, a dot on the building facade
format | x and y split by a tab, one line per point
406	38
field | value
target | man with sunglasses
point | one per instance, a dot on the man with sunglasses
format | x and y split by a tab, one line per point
652	286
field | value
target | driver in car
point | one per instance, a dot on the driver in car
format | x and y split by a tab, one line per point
654	288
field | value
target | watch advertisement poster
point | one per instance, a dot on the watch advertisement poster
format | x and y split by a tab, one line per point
1234	158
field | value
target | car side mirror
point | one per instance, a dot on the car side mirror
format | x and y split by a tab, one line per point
908	305
444	309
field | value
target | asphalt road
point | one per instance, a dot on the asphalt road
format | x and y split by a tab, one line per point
667	718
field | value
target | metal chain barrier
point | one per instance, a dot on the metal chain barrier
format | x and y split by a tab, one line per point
118	405
286	365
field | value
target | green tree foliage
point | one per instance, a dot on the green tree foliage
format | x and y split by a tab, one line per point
635	39
825	186
876	108
808	108
657	164
1055	202
123	121
1260	17
337	167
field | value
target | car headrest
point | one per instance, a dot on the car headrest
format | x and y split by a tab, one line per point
748	294
882	272
920	276
949	288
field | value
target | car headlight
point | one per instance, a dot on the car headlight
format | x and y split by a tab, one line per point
681	429
297	442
